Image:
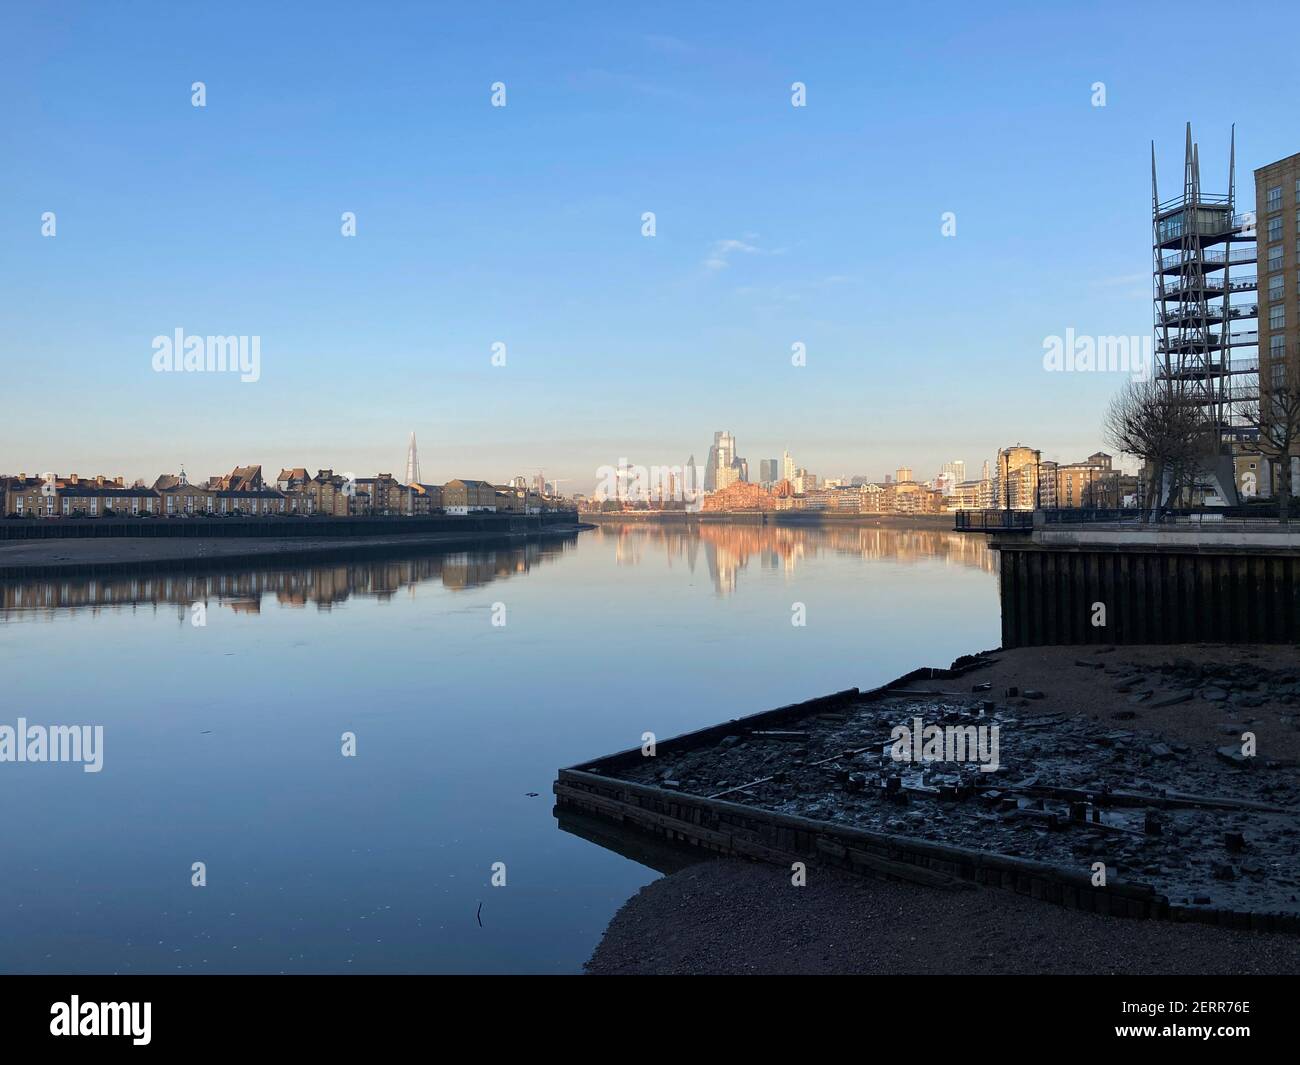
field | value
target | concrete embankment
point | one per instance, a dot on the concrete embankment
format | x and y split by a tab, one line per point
88	557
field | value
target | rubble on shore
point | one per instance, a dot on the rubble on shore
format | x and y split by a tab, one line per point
1133	758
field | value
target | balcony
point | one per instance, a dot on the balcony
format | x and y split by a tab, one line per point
1210	287
1202	367
1211	226
1204	200
1186	315
1181	344
1207	260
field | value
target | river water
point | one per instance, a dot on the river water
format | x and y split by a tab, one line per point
467	680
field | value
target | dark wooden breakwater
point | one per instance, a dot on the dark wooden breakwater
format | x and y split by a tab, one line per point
616	802
1131	585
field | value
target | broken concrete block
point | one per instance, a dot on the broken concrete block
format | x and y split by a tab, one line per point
1233	756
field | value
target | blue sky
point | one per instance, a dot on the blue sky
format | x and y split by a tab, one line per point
522	224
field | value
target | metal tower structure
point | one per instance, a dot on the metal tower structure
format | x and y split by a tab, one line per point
412	463
1197	240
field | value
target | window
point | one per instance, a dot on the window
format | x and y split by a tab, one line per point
1277	316
1274	198
1275	287
1279	374
1275	257
1275	229
1276	346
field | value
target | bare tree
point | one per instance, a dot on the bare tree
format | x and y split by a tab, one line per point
1161	424
1276	415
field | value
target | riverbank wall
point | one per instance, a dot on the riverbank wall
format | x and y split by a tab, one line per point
779	518
1127	585
55	557
276	526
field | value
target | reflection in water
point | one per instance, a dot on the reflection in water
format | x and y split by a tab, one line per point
223	743
242	589
728	548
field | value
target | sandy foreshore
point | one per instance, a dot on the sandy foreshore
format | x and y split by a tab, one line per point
95	555
733	917
1180	703
1246	685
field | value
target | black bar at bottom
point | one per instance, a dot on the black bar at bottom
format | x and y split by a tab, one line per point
336	1013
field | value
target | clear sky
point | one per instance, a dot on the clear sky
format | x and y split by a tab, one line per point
523	225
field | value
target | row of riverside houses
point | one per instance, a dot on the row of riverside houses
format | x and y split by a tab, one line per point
243	492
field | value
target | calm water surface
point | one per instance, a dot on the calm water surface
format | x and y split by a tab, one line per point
222	742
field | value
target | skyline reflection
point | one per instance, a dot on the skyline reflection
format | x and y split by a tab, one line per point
242	588
728	549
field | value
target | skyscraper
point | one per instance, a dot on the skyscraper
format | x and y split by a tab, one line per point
787	466
767	471
955	470
724	466
712	463
412	463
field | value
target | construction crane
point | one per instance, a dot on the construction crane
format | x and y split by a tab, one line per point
556	481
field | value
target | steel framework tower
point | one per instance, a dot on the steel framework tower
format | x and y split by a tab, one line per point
412	463
1197	239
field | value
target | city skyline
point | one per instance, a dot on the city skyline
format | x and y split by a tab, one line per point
522	226
784	467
